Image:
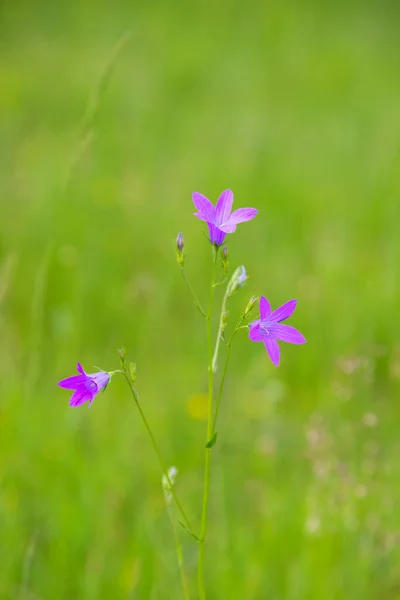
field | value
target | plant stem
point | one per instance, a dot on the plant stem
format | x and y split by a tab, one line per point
221	387
228	355
179	553
154	444
219	335
206	492
193	293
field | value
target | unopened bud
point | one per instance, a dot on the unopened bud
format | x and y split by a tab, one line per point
179	249
179	241
225	259
168	482
237	280
132	371
121	353
224	321
250	305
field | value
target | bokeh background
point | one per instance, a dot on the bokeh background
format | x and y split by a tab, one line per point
296	107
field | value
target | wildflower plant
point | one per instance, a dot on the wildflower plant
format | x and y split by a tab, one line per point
267	328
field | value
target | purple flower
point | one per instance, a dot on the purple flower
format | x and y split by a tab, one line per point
221	220
86	386
268	328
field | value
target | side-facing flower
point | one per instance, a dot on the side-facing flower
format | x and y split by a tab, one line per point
86	386
269	328
221	220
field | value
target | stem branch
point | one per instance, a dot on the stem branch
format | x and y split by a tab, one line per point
179	553
219	335
228	355
193	293
156	450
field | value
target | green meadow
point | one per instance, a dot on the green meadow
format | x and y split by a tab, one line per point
111	115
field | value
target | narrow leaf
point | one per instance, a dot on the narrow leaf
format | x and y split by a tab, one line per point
190	532
213	440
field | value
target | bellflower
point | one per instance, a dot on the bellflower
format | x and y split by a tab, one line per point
221	220
268	328
86	385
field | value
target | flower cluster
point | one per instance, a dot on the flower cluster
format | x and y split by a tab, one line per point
267	329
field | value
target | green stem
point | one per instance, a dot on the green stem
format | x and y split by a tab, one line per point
219	336
206	492
193	293
228	355
154	444
221	387
179	553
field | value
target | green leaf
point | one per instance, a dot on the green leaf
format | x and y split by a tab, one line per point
213	440
190	532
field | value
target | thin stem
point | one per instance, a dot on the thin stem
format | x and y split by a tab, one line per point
219	335
179	553
206	492
221	387
228	355
193	293
154	444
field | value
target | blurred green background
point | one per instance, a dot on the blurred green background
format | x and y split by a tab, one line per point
296	107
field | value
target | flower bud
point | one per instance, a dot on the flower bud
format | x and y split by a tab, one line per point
121	353
179	249
237	280
225	259
132	371
250	305
224	321
172	473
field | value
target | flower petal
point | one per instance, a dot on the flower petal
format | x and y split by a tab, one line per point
254	332
216	235
274	352
228	227
72	383
284	311
254	323
200	216
265	308
286	333
80	396
101	379
224	207
241	215
204	207
80	368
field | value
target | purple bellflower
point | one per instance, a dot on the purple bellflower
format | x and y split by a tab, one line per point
268	328
221	220
86	385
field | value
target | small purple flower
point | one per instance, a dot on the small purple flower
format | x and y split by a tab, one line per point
268	328
221	220
86	386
